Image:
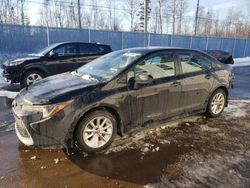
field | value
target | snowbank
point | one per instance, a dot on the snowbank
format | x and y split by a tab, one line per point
1	77
239	62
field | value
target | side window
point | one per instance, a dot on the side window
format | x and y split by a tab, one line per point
193	63
64	50
88	49
159	66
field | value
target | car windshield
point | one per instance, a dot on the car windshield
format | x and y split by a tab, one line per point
108	66
45	50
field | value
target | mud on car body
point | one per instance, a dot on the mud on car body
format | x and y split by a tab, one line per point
117	93
54	59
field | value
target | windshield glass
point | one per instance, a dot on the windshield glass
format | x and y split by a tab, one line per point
45	50
110	65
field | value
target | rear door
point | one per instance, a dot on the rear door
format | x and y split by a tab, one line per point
88	52
159	99
196	80
64	60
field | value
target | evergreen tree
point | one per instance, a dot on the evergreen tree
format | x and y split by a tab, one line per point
141	17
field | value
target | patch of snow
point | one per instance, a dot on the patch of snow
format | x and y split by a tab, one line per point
236	109
10	128
209	129
34	158
2	81
56	161
207	171
239	62
9	94
88	77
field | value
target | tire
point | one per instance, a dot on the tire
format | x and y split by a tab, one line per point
90	139
31	77
216	103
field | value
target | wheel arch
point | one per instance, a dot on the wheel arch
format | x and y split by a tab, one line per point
34	68
224	88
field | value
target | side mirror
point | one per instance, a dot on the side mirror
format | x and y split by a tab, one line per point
53	54
143	79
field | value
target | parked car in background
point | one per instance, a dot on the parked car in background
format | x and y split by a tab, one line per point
222	56
54	59
118	92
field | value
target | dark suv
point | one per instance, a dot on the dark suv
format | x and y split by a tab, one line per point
54	59
118	92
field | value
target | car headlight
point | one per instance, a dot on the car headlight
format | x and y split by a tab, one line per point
17	62
48	111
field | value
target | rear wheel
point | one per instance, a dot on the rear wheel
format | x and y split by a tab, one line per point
216	103
32	77
96	131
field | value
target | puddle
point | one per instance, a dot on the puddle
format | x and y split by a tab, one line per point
6	117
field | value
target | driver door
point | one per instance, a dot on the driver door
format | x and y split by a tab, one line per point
64	59
159	99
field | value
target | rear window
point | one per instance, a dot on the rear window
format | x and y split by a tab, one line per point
88	49
194	62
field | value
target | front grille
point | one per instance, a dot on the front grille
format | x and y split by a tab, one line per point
22	130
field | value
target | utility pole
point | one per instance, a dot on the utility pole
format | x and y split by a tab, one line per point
79	14
196	17
145	16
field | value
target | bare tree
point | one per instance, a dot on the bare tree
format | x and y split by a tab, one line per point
160	4
181	9
131	8
196	17
172	8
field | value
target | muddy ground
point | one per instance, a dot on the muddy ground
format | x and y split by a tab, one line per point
191	152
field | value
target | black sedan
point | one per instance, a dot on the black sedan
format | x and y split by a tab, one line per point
54	59
118	92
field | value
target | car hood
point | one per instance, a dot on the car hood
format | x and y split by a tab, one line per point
58	88
23	58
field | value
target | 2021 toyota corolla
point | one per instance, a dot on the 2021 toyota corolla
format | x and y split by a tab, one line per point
118	92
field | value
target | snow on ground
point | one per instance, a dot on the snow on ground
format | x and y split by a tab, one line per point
237	108
4	93
239	62
1	77
8	94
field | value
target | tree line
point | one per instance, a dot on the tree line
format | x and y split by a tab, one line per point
164	16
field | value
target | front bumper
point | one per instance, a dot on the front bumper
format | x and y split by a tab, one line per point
12	73
32	130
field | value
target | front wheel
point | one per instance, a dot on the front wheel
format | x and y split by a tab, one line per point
96	131
32	77
216	103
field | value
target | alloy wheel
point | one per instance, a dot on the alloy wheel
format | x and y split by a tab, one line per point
98	132
218	103
33	78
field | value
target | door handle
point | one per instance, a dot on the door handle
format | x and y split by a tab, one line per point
208	76
74	60
175	84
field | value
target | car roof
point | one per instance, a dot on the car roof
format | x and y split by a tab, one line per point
69	42
151	49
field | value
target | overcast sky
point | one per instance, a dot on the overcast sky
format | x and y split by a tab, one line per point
222	6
